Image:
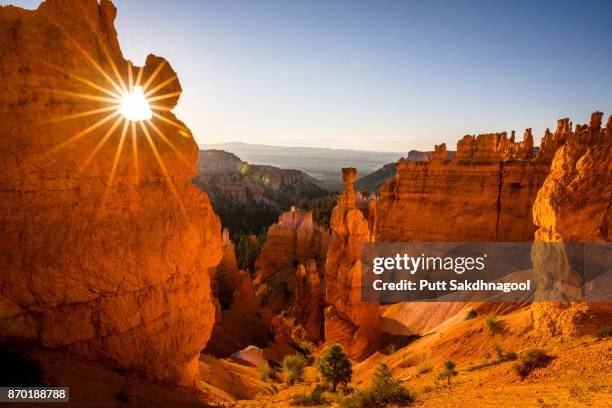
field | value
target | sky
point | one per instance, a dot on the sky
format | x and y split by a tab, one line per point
374	75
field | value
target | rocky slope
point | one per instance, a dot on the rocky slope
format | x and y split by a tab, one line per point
248	197
106	243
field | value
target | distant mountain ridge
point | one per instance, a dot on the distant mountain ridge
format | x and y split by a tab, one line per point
324	164
247	196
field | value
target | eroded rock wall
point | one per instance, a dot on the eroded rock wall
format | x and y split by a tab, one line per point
485	193
293	240
459	202
106	244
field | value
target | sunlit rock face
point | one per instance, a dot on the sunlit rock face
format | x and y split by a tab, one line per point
484	194
349	321
106	245
573	205
294	239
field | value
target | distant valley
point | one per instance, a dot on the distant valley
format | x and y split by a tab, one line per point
321	163
249	197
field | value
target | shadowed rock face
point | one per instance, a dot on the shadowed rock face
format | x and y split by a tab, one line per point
107	258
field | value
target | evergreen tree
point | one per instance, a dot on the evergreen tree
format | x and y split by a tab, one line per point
335	367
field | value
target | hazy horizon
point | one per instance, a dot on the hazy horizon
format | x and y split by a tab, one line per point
374	76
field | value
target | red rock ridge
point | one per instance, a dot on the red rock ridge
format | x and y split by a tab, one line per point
484	194
105	255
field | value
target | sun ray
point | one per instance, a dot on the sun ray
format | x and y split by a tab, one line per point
149	92
111	176
101	143
153	75
130	69
161	108
164	96
89	96
135	150
86	81
120	80
139	76
98	67
82	114
84	132
162	166
169	143
170	121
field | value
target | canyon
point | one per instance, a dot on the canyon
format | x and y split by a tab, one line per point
249	197
116	272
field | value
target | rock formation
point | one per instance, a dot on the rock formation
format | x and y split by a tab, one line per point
348	320
494	147
226	277
294	240
574	205
308	304
106	244
486	193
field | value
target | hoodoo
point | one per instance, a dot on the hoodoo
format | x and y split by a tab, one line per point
348	320
106	244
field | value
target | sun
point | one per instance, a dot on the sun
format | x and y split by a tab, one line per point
134	106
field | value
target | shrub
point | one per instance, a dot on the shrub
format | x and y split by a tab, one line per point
494	325
471	315
499	352
448	371
530	359
405	360
308	400
385	390
335	367
510	356
424	368
304	348
265	372
293	368
389	349
604	332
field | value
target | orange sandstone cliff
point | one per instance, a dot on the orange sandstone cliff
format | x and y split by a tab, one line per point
106	244
484	194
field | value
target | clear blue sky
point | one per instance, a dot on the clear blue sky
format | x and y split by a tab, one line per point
376	75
